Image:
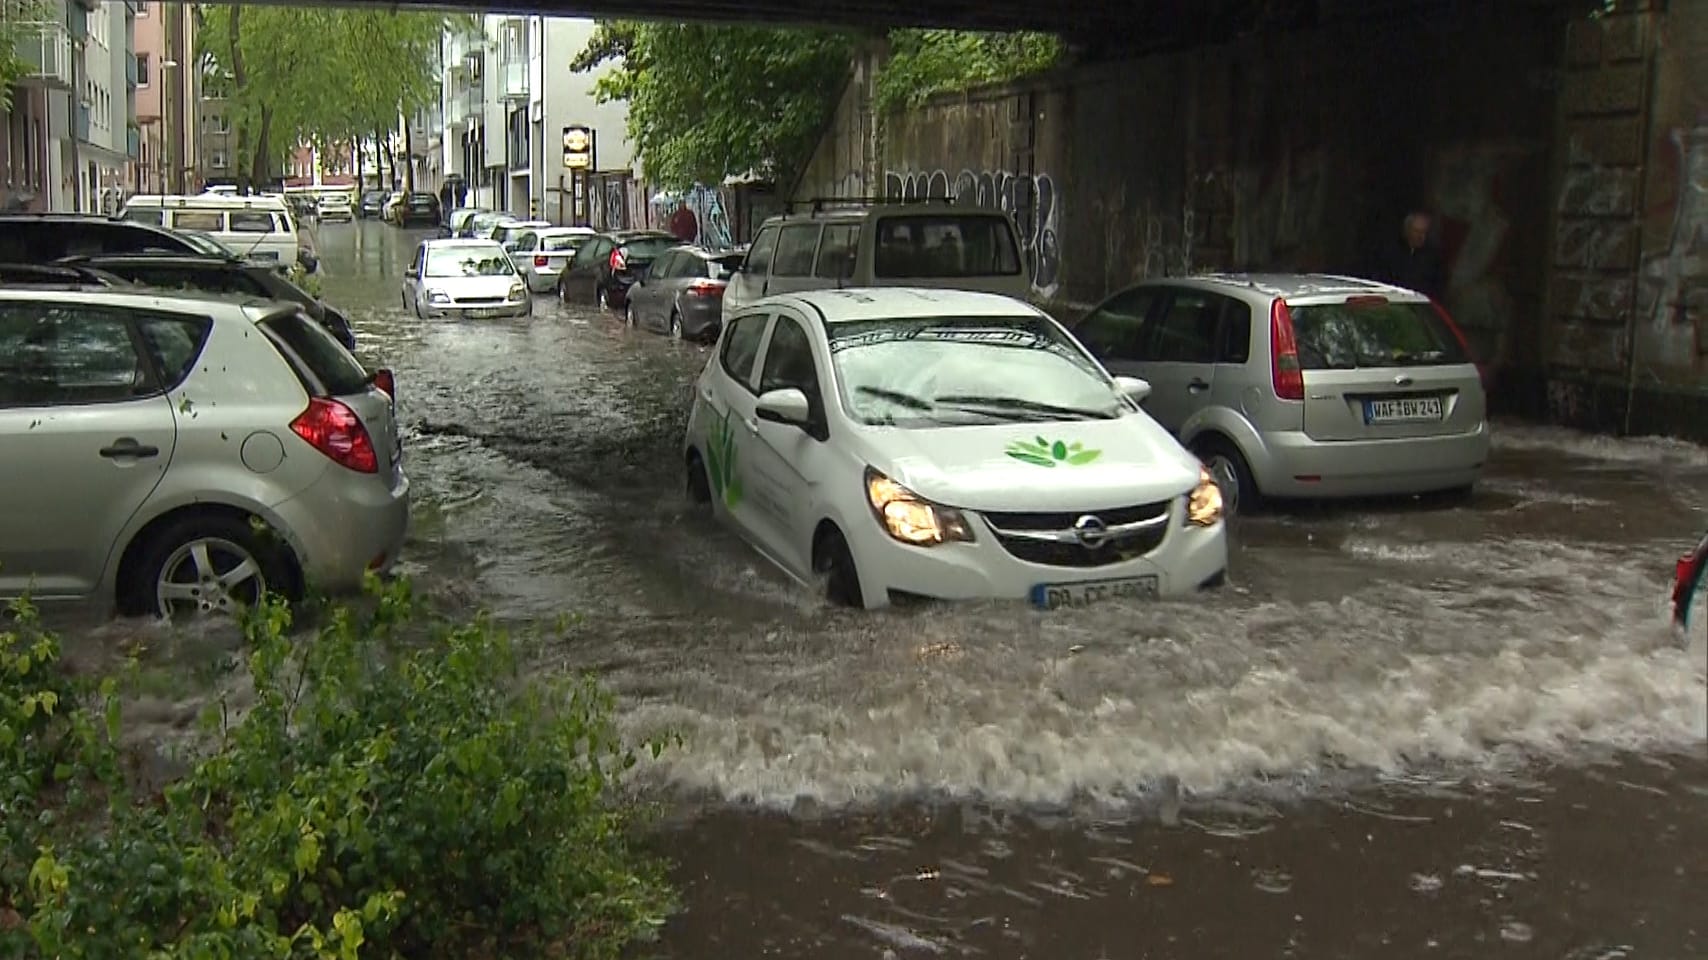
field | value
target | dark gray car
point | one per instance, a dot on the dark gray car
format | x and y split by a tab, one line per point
682	293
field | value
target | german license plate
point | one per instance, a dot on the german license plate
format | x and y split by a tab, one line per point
1055	596
483	313
1402	410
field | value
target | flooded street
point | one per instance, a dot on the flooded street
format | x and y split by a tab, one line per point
1405	730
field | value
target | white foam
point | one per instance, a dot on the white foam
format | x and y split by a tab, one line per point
1614	450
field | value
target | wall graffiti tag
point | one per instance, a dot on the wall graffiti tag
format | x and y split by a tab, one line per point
1031	199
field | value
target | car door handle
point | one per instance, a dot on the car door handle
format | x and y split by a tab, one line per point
1197	385
128	447
752	426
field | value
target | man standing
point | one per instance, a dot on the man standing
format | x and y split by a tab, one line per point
1413	261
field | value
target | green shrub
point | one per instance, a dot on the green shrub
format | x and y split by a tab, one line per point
302	278
383	796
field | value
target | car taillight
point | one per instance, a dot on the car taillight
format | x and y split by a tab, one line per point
334	429
705	288
1464	344
387	383
617	259
540	260
1284	370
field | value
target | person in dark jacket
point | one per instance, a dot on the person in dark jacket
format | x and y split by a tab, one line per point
1412	261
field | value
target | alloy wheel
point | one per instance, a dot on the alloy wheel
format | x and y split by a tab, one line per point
208	576
1226	474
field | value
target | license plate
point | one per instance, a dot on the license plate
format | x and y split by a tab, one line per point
1402	410
483	313
1054	596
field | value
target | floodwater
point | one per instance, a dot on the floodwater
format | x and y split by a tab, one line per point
1418	729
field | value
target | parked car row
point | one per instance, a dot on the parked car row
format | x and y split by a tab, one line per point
415	208
180	429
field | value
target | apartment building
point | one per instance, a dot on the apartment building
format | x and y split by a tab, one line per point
167	98
71	138
508	95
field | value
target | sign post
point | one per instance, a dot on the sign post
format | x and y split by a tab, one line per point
580	158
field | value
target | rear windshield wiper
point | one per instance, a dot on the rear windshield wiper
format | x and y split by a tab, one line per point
896	397
1029	406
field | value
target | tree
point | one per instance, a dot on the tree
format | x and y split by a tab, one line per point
19	20
321	75
708	101
924	63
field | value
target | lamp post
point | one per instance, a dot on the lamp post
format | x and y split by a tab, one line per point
168	152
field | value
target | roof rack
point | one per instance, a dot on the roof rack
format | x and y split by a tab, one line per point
819	203
54	273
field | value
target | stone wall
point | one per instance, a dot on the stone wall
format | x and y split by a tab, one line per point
1545	145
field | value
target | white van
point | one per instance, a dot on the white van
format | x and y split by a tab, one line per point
258	228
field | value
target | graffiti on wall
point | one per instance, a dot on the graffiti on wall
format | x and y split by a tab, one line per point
1031	199
1673	282
695	216
1467	195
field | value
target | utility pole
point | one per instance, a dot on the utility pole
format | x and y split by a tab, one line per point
74	102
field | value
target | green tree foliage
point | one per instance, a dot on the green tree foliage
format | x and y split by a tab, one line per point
387	794
708	101
20	20
317	74
924	63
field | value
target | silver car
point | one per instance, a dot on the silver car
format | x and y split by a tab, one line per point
470	279
177	454
1302	386
540	255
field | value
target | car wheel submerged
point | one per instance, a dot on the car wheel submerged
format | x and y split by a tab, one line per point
675	325
835	562
1239	490
206	567
699	483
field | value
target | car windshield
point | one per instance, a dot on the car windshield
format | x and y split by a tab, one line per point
480	261
1372	332
936	371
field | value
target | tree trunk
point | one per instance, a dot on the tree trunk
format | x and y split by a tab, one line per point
261	168
233	38
408	157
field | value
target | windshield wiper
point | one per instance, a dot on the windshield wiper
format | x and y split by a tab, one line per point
1028	406
907	400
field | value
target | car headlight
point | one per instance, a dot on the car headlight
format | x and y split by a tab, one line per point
518	292
910	518
1205	506
438	296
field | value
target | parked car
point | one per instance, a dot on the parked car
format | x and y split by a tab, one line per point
606	265
907	244
459	220
481	225
490	229
388	209
509	231
417	208
175	455
1690	589
540	255
682	293
259	227
944	444
46	237
469	279
336	207
372	205
1302	385
218	275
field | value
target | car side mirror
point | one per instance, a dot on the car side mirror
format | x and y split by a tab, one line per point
1133	388
788	405
411	273
511	246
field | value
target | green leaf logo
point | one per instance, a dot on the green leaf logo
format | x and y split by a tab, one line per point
720	460
1040	452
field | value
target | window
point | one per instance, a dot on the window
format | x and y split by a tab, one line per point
1373	333
1236	332
789	363
1111	331
741	346
952	245
251	221
326	368
54	354
145	215
795	248
662	267
217	160
142	69
836	251
174	342
724	267
759	256
1186	332
142	9
209	220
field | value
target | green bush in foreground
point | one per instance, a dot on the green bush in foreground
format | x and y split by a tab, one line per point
382	798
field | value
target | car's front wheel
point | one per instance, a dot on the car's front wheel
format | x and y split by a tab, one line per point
1231	472
207	566
833	560
699	483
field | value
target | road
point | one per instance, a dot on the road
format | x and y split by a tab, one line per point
1405	730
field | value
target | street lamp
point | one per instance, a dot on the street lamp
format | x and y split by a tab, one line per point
168	156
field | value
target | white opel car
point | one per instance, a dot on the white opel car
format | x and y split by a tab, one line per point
948	445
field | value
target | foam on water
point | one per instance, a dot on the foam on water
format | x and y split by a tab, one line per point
1654	451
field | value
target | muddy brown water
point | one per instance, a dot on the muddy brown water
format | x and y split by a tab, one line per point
1405	729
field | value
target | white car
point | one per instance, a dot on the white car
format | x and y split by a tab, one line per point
944	444
471	279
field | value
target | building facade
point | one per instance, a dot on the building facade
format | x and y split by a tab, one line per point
167	98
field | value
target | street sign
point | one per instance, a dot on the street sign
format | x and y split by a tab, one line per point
577	148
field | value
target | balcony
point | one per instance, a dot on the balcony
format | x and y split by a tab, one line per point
515	81
133	142
44	51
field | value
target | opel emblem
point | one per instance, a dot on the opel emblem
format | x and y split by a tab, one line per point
1091	531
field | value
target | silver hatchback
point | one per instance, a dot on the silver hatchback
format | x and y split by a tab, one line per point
179	454
1306	386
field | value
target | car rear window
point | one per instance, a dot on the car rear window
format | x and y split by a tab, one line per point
649	246
1373	332
565	242
324	366
174	341
725	267
952	245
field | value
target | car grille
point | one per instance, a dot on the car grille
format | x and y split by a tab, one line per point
478	301
1050	538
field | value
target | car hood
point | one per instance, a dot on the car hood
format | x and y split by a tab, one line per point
460	287
1073	465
